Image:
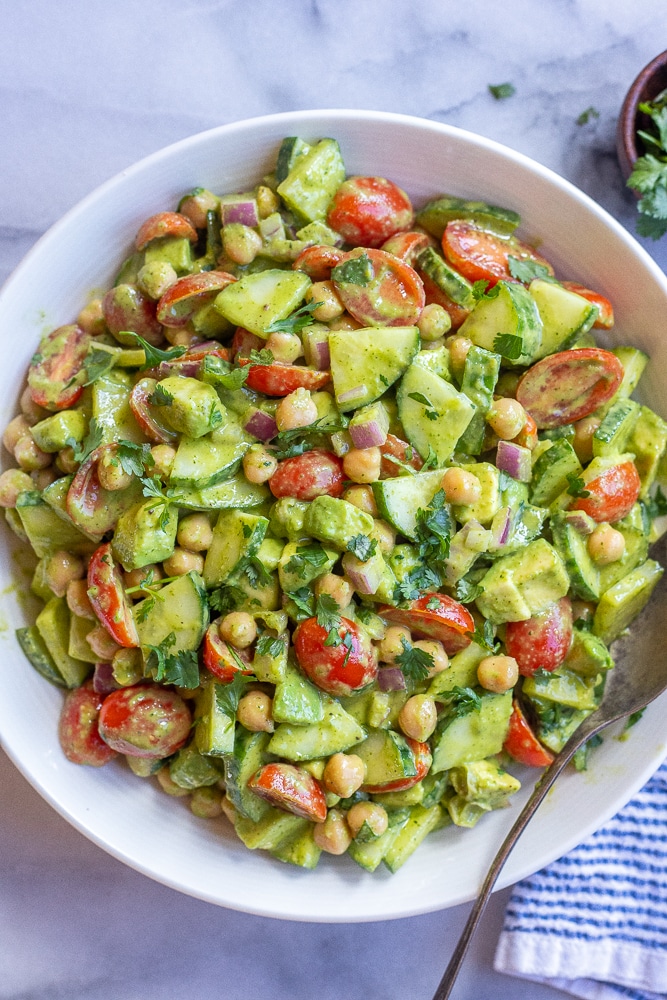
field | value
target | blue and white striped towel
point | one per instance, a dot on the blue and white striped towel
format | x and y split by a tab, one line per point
594	923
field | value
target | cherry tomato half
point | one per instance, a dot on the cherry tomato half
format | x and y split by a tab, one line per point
605	319
304	477
381	290
146	415
407	246
317	261
395	447
565	387
527	436
181	301
128	311
366	211
341	669
436	616
164	224
145	720
543	641
522	744
108	598
423	760
53	376
482	256
217	658
93	509
613	493
78	731
292	789
280	380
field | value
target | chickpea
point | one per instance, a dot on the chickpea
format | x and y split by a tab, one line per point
163	456
195	207
498	673
228	809
333	835
66	462
434	322
363	465
61	569
13	482
168	785
345	322
42	478
418	717
254	712
436	650
331	307
267	201
259	464
461	487
506	417
77	599
111	474
180	336
195	532
135	577
336	587
238	628
391	646
155	278
285	347
206	802
182	561
605	545
14	431
458	352
582	441
127	667
91	318
29	455
102	644
241	243
384	535
29	408
343	774
363	498
296	410
369	814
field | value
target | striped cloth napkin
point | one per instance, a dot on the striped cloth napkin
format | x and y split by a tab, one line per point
594	923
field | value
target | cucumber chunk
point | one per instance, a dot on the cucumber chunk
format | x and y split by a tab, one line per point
257	300
449	281
387	757
250	753
433	413
407	840
37	652
336	732
621	604
565	316
474	736
237	537
365	362
398	500
53	625
511	310
180	609
312	181
435	215
214	731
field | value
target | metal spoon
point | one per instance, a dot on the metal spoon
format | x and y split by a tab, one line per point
637	679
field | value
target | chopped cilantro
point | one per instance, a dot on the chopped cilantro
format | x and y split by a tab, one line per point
226	598
327	612
508	345
500	91
634	718
303	598
229	695
461	701
587	115
414	662
221	374
261	357
576	486
269	645
310	554
160	396
134	458
299	439
90	443
434	529
362	547
154	356
526	270
181	668
354	271
485	637
479	289
649	175
466	592
656	505
296	321
97	364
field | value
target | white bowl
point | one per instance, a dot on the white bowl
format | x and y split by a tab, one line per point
132	819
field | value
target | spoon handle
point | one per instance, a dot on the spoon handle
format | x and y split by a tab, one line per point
541	788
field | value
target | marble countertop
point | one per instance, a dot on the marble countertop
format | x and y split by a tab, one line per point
86	90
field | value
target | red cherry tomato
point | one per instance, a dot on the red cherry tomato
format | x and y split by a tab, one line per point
280	380
92	508
126	309
217	658
317	261
482	256
527	436
407	246
433	294
292	789
78	728
366	211
164	224
182	300
54	369
436	616
243	342
543	641
562	388
394	447
304	477
145	721
522	744
423	760
341	669
388	293
108	598
613	493
605	319
146	415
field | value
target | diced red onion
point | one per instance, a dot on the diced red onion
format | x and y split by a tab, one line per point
501	527
391	679
580	521
261	425
241	208
341	442
369	427
350	395
365	577
104	681
514	460
316	347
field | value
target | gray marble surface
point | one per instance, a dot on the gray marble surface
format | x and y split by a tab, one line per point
88	88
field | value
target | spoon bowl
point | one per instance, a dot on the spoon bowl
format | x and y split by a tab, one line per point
647	85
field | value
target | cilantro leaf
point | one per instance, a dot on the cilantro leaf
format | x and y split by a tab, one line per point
479	289
154	355
485	637
226	598
500	91
270	645
415	663
221	374
90	443
467	592
461	701
656	505
434	529
526	270
299	439
180	668
296	321
508	345
310	554
152	488
303	598
97	364
160	396
354	271
362	547
134	458
327	612
262	357
229	695
587	115
576	486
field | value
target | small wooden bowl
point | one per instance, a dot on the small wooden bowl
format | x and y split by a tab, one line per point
649	83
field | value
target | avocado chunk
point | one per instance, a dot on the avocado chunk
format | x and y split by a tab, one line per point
296	700
146	533
479	734
59	430
189	406
621	604
336	732
522	583
336	521
237	536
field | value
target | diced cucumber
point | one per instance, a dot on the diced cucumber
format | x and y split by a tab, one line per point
214	729
461	672
449	281
419	825
479	734
257	300
464	813
237	537
636	551
236	492
369	853
511	310
613	434
250	753
634	362
564	315
269	831
190	769
399	499
433	413
180	609
480	374
110	396
202	462
296	700
46	531
387	757
79	647
35	649
435	215
270	668
53	625
551	471
299	848
565	687
336	732
647	442
365	362
554	729
312	180
621	604
584	573
437	361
